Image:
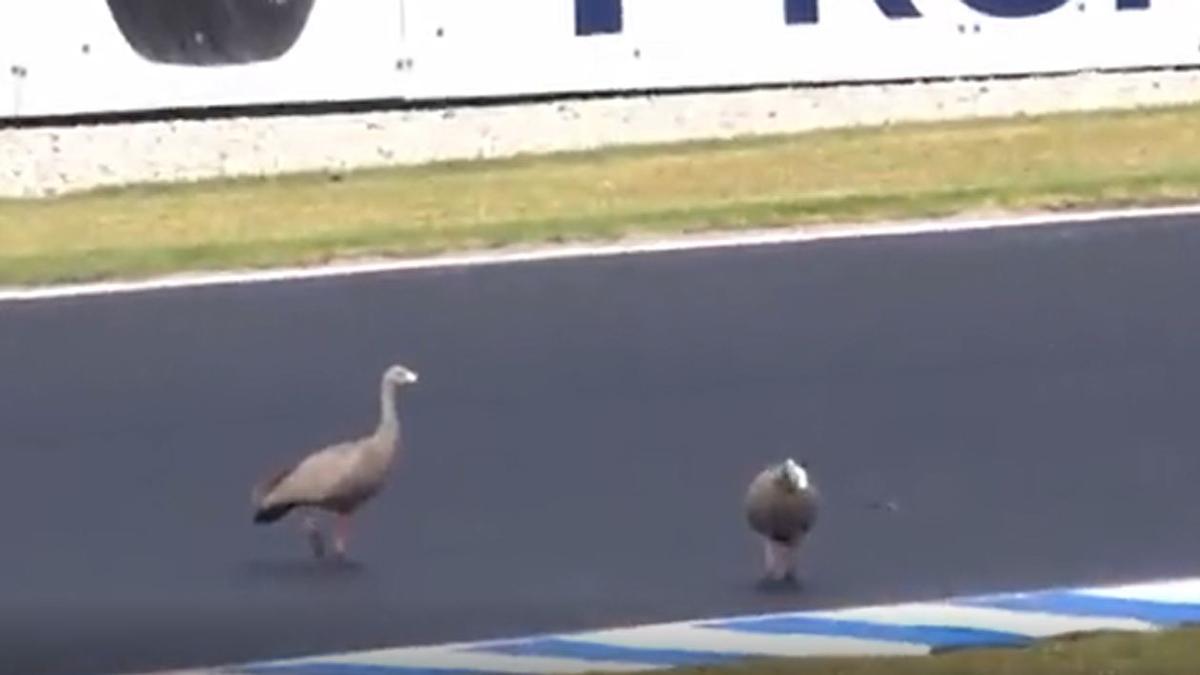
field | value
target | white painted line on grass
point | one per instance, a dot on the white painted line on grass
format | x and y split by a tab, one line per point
631	247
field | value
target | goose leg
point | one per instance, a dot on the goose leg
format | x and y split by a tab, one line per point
793	559
341	532
315	541
787	569
770	558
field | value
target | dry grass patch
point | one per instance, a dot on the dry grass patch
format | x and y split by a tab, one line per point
915	170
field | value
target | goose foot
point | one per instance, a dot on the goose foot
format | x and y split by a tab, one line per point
771	583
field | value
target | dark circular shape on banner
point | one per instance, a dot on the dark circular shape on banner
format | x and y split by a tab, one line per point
1015	9
211	32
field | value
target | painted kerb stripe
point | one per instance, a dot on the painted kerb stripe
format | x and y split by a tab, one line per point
910	628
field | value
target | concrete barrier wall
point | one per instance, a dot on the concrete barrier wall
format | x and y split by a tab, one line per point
53	160
66	57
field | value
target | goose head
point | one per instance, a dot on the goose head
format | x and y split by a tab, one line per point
400	375
794	474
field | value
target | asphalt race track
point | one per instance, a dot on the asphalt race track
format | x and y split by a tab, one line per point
582	435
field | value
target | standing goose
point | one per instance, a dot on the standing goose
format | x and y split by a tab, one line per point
338	478
781	507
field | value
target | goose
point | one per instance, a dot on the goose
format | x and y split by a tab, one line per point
781	508
338	478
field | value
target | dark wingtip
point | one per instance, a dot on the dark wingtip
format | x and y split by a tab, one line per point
271	514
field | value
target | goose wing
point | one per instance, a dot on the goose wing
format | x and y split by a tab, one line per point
314	479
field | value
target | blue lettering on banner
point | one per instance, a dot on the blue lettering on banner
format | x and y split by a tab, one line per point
807	12
898	9
594	17
800	11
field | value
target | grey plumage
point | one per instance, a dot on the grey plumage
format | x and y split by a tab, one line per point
338	478
781	507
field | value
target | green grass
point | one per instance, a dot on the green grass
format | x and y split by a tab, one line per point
812	179
1167	653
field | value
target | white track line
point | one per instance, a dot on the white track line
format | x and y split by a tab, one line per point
1026	622
682	243
687	637
1184	590
441	658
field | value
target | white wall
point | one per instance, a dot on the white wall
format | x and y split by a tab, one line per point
368	49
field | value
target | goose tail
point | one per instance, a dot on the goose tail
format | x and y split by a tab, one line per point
265	512
269	514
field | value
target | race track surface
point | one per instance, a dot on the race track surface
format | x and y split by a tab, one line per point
582	435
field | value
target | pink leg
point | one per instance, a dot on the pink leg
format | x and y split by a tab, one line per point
793	559
315	540
788	568
341	532
771	558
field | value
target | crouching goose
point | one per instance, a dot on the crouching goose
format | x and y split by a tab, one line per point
338	478
781	507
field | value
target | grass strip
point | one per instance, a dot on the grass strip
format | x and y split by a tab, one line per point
810	179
